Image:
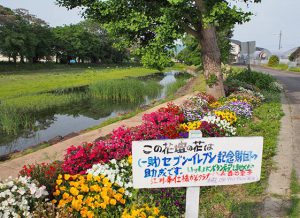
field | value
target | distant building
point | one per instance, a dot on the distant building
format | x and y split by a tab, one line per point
236	51
3	58
262	54
295	56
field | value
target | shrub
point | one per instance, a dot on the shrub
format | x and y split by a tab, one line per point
273	61
260	80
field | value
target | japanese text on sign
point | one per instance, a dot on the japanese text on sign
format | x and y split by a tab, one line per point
196	162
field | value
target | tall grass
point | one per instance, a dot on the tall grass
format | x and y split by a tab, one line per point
22	112
129	90
173	88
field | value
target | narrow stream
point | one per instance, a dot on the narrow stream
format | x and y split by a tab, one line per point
75	118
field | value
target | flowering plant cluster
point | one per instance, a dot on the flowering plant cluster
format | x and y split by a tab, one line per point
43	173
118	172
248	96
193	125
142	211
79	159
240	108
89	196
19	197
221	123
215	104
229	116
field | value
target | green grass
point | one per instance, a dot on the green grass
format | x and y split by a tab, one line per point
200	84
284	67
16	85
295	69
129	90
294	211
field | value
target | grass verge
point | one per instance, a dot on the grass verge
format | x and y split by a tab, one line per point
284	67
294	211
246	200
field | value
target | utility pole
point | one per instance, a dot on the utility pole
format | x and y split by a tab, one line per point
248	51
280	36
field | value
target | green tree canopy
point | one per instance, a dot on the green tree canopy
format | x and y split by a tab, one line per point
153	26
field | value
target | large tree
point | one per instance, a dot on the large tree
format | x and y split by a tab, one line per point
23	35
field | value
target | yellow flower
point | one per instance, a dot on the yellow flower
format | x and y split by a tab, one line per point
89	177
80	197
74	191
122	201
76	204
74	177
89	200
106	199
75	184
62	188
83	212
56	193
97	178
61	203
130	159
58	181
113	201
155	211
103	205
65	195
85	188
67	176
121	190
90	214
59	176
118	196
54	201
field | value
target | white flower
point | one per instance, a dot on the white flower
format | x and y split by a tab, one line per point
21	191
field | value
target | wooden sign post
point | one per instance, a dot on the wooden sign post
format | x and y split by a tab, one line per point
196	162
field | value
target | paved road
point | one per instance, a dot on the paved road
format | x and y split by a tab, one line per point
291	83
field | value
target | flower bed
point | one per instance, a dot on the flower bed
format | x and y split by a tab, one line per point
95	179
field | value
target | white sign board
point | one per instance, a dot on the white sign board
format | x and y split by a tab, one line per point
248	47
196	162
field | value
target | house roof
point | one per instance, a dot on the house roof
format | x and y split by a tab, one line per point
295	54
237	42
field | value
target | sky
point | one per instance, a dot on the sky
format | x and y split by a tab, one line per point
270	17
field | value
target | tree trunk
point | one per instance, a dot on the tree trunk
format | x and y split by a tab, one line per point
211	60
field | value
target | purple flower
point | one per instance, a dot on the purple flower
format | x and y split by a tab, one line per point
241	108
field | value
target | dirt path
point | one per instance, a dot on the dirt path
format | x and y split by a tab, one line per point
57	151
